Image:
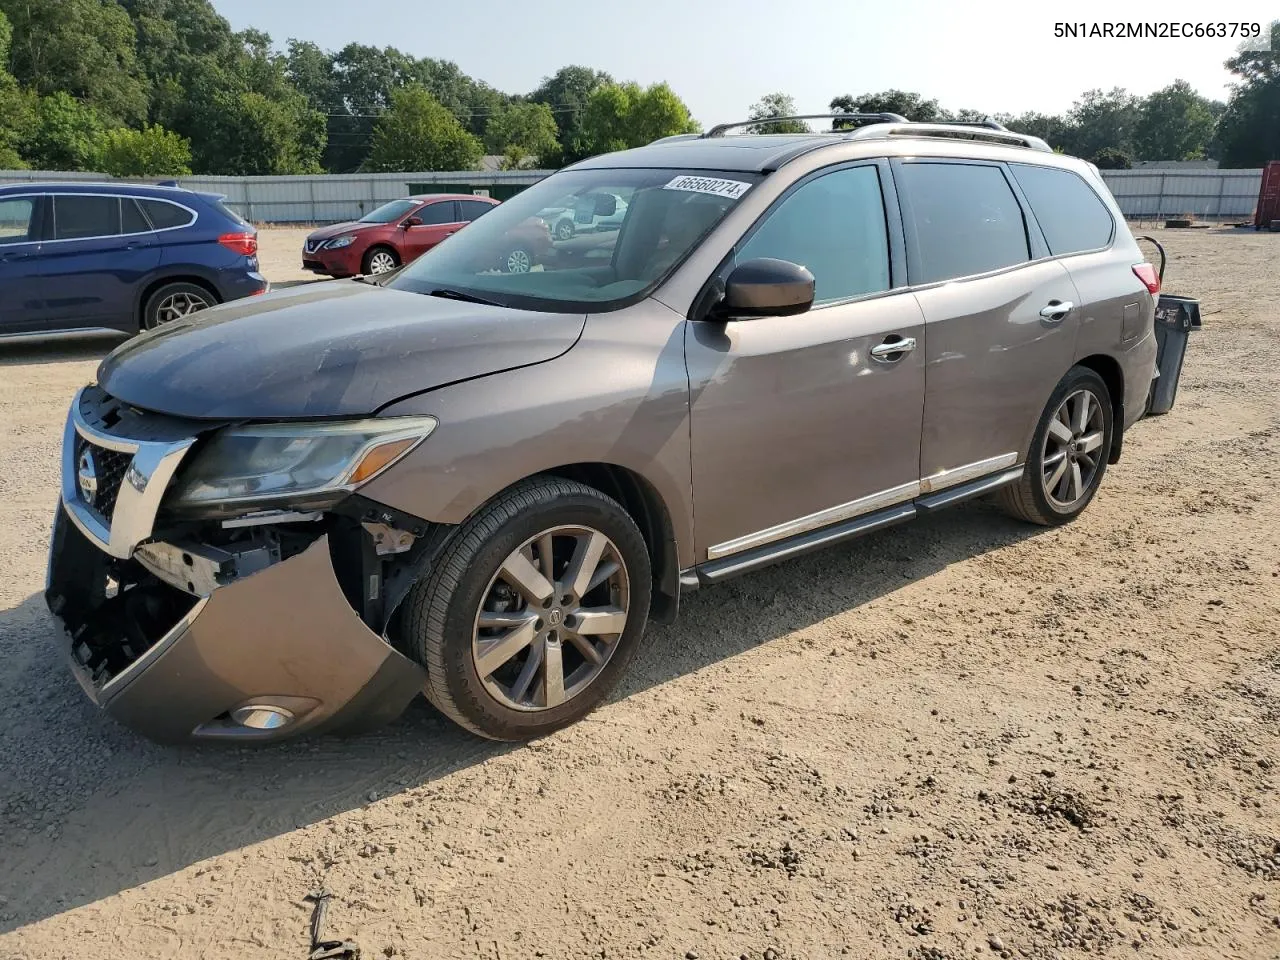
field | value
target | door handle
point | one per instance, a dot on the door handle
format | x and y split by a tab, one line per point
1057	310
891	351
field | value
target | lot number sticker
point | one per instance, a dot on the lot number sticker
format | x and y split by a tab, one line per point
732	189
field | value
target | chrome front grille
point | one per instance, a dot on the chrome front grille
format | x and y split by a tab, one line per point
107	469
313	245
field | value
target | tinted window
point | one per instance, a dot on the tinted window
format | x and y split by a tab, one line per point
15	219
389	212
1071	215
474	208
165	216
230	214
966	218
76	217
835	226
131	218
437	213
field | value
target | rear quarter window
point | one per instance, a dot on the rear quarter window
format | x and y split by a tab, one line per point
165	215
1071	215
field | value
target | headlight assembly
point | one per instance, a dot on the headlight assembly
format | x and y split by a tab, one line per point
340	242
308	465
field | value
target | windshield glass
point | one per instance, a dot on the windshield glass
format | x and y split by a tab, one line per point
389	211
581	239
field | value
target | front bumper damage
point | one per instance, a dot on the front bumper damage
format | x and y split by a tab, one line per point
255	638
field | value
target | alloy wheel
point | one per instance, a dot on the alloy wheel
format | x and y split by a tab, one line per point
1073	451
564	230
178	305
381	262
551	618
519	261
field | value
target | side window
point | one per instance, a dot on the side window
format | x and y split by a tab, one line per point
835	226
474	209
434	214
166	216
131	218
15	219
966	217
81	217
1071	215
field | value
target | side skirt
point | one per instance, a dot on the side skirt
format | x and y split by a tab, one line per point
716	571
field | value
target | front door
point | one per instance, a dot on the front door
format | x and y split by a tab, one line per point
19	246
1000	329
805	421
440	219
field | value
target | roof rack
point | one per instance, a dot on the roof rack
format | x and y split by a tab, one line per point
959	131
719	129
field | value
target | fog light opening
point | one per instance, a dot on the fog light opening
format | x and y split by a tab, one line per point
262	716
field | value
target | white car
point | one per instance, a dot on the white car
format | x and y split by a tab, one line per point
573	215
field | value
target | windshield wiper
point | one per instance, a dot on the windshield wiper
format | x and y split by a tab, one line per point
447	294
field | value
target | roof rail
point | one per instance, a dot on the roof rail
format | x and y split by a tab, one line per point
988	123
678	136
719	129
958	131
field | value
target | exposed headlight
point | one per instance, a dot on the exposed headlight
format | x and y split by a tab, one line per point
340	242
308	465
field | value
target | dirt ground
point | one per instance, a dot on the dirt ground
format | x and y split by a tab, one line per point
960	738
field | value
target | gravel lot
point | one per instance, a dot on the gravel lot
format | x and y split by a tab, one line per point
960	738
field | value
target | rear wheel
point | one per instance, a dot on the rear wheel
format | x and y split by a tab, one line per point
380	260
173	301
564	229
518	260
533	611
1068	455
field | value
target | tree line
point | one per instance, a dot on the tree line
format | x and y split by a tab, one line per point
166	87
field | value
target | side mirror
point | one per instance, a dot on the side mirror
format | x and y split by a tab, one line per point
606	205
765	288
411	222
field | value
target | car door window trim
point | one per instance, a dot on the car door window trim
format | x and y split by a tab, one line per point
51	196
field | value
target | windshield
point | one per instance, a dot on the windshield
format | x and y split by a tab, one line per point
581	239
389	211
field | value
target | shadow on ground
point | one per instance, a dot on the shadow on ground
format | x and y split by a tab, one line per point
88	809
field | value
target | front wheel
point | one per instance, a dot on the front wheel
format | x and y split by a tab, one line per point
1068	455
564	230
380	260
532	612
518	260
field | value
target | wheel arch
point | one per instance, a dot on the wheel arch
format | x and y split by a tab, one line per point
380	245
1112	374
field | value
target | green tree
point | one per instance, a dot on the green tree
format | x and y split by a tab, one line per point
1109	158
63	134
619	116
150	152
83	48
776	105
529	128
1249	131
420	133
1175	123
1102	119
252	135
1054	130
17	108
904	103
566	94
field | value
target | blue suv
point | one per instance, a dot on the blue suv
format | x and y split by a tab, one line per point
90	257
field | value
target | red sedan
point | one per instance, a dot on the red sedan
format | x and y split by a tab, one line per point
401	231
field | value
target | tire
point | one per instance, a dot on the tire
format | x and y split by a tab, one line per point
379	260
173	301
518	260
564	230
442	626
1035	498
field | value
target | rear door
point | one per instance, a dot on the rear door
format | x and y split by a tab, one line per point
440	219
19	250
1000	319
98	248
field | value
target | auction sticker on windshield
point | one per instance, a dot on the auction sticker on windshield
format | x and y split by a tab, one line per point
732	189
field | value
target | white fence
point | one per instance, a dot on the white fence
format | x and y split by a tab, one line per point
1142	194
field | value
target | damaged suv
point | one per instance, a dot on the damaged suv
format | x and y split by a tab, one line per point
297	513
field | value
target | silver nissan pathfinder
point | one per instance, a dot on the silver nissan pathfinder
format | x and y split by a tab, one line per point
480	483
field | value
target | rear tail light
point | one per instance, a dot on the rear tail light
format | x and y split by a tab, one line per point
1147	274
242	243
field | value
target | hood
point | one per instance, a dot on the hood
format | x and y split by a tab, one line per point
338	229
333	349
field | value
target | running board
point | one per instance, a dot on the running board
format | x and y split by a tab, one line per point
967	491
748	560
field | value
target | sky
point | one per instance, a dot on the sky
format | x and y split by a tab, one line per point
721	57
